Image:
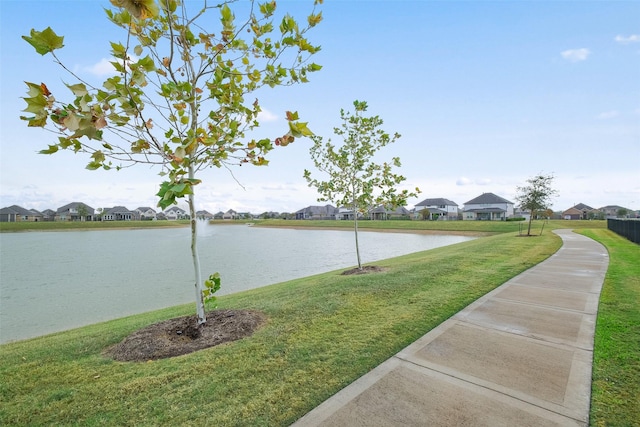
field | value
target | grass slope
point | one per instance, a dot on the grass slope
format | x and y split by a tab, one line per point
615	392
323	333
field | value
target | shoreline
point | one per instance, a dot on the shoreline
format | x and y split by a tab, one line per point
385	230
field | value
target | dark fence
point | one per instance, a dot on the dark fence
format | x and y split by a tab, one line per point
629	228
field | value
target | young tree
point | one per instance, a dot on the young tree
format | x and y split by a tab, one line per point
536	195
82	212
354	180
177	98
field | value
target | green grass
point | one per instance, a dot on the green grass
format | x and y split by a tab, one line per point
450	226
323	333
615	391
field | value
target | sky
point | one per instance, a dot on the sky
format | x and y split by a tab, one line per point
486	94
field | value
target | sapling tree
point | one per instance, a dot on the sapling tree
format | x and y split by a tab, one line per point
536	195
177	98
353	179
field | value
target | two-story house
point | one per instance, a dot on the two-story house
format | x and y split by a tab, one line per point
174	213
488	207
145	213
75	211
438	209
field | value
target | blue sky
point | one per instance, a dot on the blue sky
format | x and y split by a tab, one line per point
485	95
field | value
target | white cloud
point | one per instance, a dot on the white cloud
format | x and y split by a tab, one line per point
463	181
102	68
608	115
576	55
267	116
634	38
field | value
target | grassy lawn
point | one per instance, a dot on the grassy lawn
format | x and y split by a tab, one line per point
323	332
616	367
449	226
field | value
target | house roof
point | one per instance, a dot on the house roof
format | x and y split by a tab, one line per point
16	210
74	205
319	210
399	210
175	209
582	206
437	202
145	208
117	209
486	199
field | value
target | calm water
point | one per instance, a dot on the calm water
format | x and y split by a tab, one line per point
83	277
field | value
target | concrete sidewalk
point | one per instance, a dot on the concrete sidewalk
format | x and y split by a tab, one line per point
519	356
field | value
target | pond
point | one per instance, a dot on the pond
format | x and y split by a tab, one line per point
83	277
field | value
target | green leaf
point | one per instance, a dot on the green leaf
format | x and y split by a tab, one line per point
36	104
299	129
225	13
93	165
72	122
147	63
52	149
45	41
78	89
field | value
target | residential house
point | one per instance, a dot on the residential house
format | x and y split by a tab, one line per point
522	213
230	214
317	212
174	213
271	214
145	213
17	213
488	207
75	211
382	213
48	215
614	211
439	209
346	214
245	215
118	213
218	215
204	215
579	211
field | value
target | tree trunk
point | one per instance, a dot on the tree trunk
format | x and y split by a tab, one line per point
196	259
355	227
530	219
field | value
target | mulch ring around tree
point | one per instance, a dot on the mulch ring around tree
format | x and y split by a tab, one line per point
364	270
175	337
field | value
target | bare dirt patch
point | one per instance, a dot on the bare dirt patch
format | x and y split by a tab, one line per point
175	337
365	270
